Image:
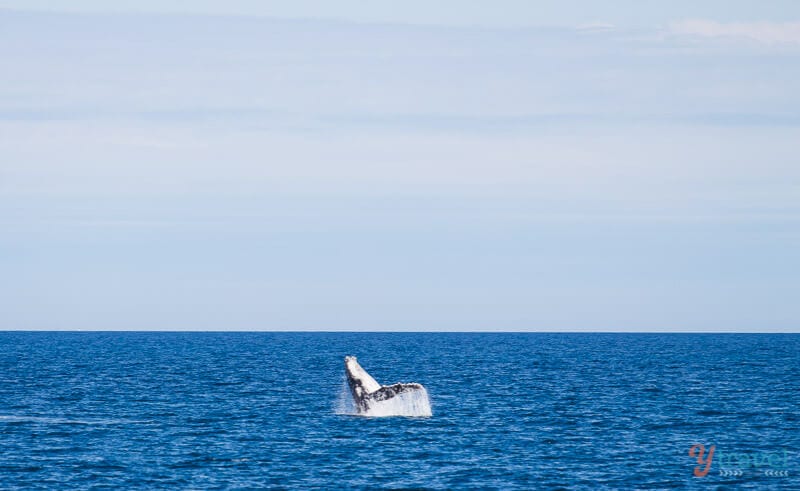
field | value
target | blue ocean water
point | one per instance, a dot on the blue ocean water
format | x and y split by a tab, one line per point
250	410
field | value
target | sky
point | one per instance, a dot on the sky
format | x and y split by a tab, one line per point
309	165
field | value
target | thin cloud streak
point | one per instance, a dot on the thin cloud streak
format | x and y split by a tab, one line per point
769	33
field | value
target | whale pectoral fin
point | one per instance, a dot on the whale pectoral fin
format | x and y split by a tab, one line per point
389	391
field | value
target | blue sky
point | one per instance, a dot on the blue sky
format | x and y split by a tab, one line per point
448	166
500	13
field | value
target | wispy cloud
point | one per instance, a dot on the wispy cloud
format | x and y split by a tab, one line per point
771	33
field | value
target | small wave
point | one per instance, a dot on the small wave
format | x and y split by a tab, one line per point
65	421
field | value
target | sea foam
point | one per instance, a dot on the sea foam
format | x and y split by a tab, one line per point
412	403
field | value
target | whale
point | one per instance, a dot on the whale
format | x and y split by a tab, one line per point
368	393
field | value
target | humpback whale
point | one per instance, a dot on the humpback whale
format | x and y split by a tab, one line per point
371	398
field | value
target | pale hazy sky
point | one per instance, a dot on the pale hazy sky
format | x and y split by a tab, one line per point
400	166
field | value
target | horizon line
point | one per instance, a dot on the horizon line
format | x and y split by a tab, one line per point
434	331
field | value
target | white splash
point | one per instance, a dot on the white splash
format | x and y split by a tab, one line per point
409	403
412	403
344	403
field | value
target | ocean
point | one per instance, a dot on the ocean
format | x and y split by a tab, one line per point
174	410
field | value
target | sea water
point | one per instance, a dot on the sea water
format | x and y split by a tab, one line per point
247	410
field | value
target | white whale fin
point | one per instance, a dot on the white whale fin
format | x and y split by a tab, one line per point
369	384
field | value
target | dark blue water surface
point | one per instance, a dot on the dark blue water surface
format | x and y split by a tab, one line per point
249	410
